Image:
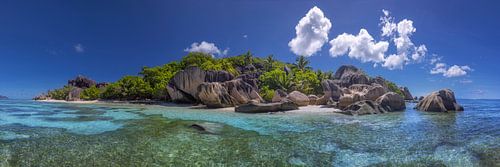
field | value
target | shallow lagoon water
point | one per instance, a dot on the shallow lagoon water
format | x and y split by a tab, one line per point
59	134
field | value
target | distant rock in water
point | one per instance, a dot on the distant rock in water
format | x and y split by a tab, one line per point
439	101
3	97
82	82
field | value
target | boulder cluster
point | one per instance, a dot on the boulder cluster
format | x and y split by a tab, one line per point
215	89
350	90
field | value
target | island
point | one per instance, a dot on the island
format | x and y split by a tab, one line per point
254	84
3	97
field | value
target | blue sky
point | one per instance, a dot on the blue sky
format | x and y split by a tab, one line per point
45	43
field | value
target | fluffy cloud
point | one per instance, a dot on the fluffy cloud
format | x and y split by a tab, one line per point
400	34
311	33
453	71
79	48
361	47
394	61
206	47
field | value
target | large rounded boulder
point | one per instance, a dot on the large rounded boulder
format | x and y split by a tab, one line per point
439	101
298	98
391	102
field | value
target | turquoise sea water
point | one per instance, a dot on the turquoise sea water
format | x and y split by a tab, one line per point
59	134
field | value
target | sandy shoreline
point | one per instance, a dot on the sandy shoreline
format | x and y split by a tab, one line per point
301	110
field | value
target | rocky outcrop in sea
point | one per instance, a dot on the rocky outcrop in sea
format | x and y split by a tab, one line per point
439	101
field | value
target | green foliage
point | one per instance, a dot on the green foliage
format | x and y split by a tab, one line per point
196	59
113	91
302	63
129	88
266	93
394	88
60	94
306	81
158	78
277	79
91	93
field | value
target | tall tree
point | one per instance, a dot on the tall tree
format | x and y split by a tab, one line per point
269	62
302	63
248	58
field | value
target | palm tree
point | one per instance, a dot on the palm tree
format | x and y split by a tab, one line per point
301	63
248	57
269	62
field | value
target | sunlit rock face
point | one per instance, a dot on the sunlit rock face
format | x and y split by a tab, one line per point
439	101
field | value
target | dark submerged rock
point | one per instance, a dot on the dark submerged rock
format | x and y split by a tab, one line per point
265	108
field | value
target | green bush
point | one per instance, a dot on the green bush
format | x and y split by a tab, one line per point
112	91
158	78
306	81
277	79
196	59
266	93
129	88
60	94
91	93
394	88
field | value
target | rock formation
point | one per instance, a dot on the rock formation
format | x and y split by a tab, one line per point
298	98
74	94
391	102
279	95
183	87
265	108
81	82
331	90
406	93
226	94
363	107
439	101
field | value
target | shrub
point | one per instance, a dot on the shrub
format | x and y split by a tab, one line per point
266	93
91	93
60	94
129	88
394	88
277	79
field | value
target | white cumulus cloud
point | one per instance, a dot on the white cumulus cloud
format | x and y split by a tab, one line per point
400	34
453	71
311	33
206	47
362	47
395	61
